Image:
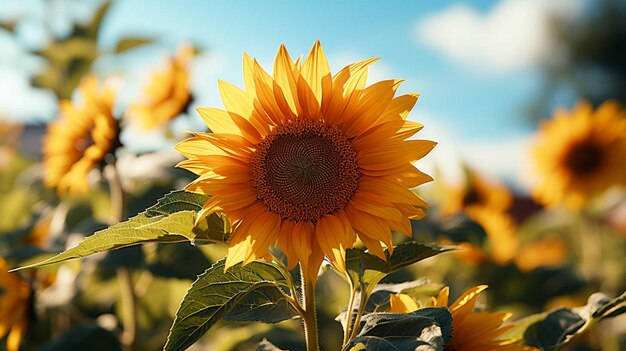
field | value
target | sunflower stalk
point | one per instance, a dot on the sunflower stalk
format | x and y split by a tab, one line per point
346	332
359	313
310	316
124	275
591	249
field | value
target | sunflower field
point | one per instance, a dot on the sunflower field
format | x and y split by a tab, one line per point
151	201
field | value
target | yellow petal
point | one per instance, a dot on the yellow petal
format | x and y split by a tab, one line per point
329	235
402	303
316	73
284	77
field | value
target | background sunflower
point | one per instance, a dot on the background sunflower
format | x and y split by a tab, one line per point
85	132
580	154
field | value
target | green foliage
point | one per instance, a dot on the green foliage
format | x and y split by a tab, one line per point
70	59
427	328
552	330
88	337
171	220
368	270
254	292
420	290
129	43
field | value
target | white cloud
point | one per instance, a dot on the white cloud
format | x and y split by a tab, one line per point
514	34
506	159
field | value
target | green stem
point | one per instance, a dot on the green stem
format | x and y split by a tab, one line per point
348	327
359	313
129	306
124	275
591	249
116	191
309	318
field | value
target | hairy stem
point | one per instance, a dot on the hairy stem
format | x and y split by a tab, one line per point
348	327
129	306
309	318
590	238
124	275
359	314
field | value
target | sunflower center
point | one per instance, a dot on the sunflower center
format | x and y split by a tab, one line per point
304	170
81	144
472	197
584	158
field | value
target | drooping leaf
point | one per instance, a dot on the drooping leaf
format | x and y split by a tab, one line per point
171	220
427	328
254	292
554	329
602	307
130	43
369	270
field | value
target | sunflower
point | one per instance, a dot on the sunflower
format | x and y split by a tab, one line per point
14	297
309	160
546	252
501	233
580	154
476	192
485	202
167	95
80	138
471	330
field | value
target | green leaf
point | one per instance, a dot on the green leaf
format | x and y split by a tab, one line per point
427	328
369	269
554	329
171	220
177	201
129	43
606	309
254	292
93	27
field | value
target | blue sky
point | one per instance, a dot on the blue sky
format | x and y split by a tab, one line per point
479	104
475	63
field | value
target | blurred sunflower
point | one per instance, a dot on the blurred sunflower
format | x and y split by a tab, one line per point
501	233
167	95
580	154
309	160
14	299
80	138
486	202
546	252
476	192
471	330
